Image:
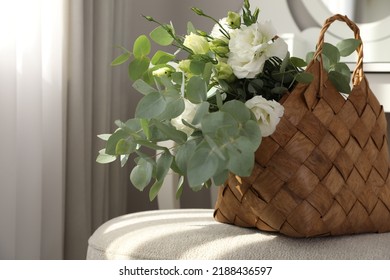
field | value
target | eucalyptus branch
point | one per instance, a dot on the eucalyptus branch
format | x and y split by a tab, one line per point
178	40
199	12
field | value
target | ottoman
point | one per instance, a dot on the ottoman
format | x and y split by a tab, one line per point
193	234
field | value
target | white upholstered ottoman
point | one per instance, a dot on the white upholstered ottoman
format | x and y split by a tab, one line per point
194	234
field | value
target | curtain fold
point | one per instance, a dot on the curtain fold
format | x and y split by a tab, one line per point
98	95
57	93
32	126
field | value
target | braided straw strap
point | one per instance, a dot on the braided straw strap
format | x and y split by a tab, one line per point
325	170
357	75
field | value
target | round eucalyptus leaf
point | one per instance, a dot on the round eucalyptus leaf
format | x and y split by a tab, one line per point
183	153
348	46
201	166
161	36
141	47
241	162
161	57
154	189
237	110
138	67
331	52
213	122
163	164
104	158
196	90
150	106
141	174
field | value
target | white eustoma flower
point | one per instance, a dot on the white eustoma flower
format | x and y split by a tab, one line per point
267	112
188	115
216	31
250	46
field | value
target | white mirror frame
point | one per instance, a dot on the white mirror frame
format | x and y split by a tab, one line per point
376	35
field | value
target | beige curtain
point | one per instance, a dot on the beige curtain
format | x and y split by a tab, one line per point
32	142
57	93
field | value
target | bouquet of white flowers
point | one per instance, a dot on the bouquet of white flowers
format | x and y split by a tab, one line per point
214	98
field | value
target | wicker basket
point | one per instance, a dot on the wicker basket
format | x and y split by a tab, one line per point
325	170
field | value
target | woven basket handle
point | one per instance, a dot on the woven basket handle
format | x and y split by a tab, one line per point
357	75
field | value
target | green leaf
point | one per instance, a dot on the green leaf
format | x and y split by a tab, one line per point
219	121
138	67
163	164
339	81
178	77
183	153
190	28
218	98
153	192
197	188
175	106
348	46
121	59
119	124
343	69
143	87
196	90
150	106
189	125
252	132
285	62
326	63
255	86
145	127
180	186
156	135
201	166
104	158
298	62
241	162
149	144
161	36
202	110
141	174
214	147
161	57
197	67
207	72
304	77
309	57
125	147
331	52
141	47
175	168
113	141
237	110
133	125
173	134
220	178
279	90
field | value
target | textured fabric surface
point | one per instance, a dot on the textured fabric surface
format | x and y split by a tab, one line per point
194	234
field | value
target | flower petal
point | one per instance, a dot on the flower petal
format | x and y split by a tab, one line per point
278	48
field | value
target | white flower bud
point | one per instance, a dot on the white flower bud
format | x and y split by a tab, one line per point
267	112
198	44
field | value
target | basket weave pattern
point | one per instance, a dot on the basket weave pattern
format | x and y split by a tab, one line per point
325	170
